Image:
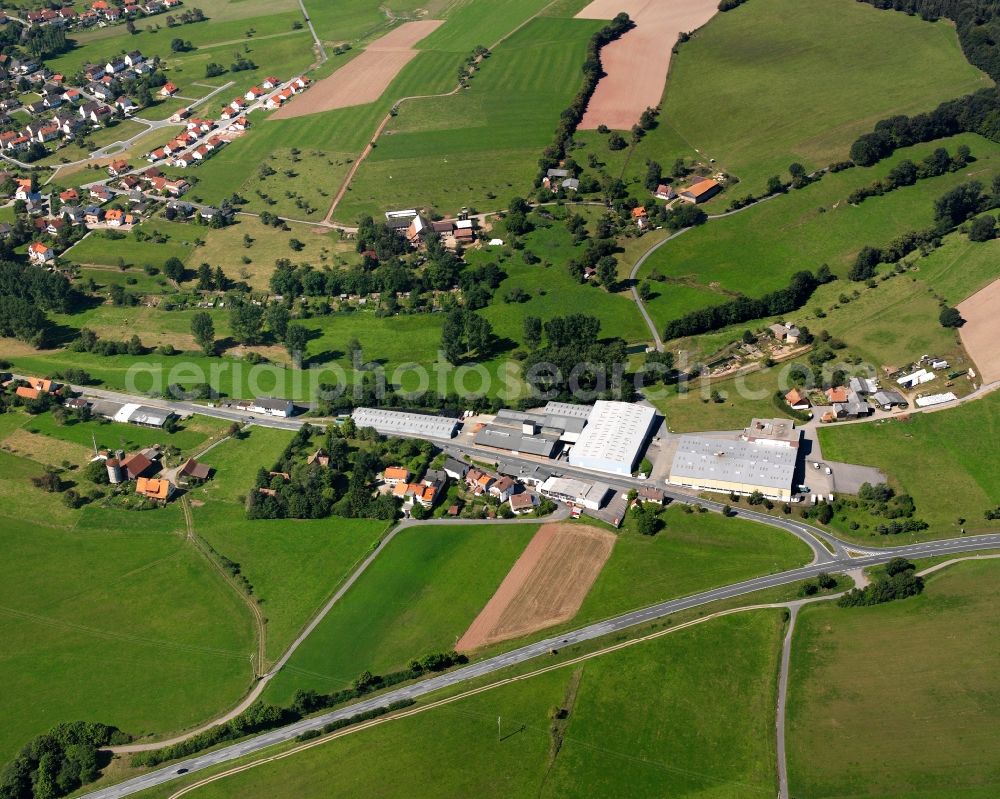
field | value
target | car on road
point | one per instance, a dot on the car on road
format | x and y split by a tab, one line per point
182	771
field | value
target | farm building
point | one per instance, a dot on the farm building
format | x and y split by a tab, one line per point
144	415
701	191
388	422
797	400
614	437
194	470
787	332
888	399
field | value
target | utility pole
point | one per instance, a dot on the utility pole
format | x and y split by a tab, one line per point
498	729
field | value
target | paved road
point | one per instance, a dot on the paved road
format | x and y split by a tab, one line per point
530	652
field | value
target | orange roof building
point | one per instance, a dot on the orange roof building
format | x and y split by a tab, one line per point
701	191
796	399
395	474
154	488
837	394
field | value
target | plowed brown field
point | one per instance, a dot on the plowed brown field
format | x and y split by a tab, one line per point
546	585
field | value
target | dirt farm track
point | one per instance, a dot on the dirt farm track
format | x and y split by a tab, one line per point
637	64
981	330
546	585
363	79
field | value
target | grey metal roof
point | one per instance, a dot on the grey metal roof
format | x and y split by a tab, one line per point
614	436
551	421
889	397
500	436
271	403
737	461
402	423
568	409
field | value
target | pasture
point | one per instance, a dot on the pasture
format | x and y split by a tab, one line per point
899	699
482	143
765	85
417	597
667	717
99	248
956	446
139	631
758	250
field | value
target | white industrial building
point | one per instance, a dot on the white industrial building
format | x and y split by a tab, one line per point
568	489
763	458
614	437
390	423
145	415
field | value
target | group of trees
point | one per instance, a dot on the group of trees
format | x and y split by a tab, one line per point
466	335
906	173
88	341
951	209
897	582
59	761
26	293
575	360
743	309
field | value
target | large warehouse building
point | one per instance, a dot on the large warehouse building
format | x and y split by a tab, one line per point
762	459
614	437
390	423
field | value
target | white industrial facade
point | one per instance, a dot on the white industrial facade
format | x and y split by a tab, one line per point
614	437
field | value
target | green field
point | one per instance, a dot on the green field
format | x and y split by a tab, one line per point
758	250
944	460
138	631
97	248
765	85
694	552
899	700
483	143
418	597
191	433
668	717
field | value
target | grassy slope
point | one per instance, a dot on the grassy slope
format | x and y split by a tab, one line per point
139	632
899	700
484	142
758	250
669	717
293	565
765	85
945	460
418	597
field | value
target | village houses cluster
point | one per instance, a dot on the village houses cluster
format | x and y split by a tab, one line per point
100	13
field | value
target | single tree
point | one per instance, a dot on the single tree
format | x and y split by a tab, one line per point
203	330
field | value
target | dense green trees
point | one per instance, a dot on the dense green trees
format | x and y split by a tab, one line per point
466	335
57	762
246	321
951	317
898	582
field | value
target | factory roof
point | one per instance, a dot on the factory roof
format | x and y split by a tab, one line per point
747	462
402	423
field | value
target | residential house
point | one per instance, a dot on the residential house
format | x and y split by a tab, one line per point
797	400
134	58
270	83
101	91
92	215
522	503
503	488
168	90
40	254
787	333
118	167
126	105
393	475
455	469
254	93
641	217
184	160
73	214
665	192
101	194
154	488
115	65
649	494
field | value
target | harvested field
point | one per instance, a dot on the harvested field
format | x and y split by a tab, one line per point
637	64
363	79
546	585
982	330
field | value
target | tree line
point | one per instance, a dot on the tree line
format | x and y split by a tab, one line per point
743	309
592	72
26	293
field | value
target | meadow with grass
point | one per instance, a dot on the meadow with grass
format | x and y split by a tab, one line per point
888	700
417	598
142	633
765	85
669	716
